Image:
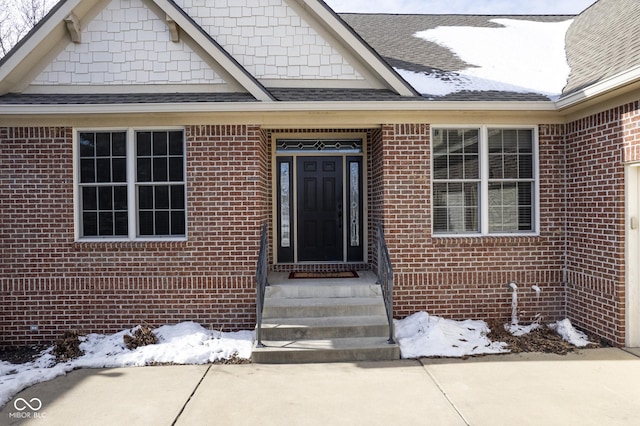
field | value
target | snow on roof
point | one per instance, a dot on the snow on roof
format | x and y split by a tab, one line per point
520	56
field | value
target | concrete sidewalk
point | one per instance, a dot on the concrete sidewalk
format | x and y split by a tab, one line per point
590	387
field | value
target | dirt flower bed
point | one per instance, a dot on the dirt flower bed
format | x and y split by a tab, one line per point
542	339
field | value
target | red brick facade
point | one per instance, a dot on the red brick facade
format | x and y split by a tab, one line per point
597	148
50	280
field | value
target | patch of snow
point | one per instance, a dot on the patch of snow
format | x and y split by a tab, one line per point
520	56
570	334
521	330
184	343
422	334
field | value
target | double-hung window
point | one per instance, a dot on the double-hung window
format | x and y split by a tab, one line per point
130	184
484	181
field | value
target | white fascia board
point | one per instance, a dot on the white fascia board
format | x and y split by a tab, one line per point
397	83
204	107
35	39
617	81
216	52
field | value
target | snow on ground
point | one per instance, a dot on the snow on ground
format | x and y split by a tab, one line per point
184	343
520	56
422	334
418	335
570	334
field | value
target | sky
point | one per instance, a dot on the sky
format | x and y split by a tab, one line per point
481	7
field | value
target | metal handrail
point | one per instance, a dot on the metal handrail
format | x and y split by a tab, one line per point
385	278
261	283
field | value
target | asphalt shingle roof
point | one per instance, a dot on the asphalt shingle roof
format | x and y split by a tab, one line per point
120	98
603	41
392	36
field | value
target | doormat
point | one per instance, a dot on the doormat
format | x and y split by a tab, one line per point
321	275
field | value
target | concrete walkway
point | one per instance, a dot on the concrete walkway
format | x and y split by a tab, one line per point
590	387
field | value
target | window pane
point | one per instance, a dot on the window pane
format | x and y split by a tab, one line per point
510	141
159	143
122	224
87	170
119	144
119	169
510	206
162	197
103	169
145	219
160	169
175	169
510	168
144	169
105	198
105	223
87	145
177	197
525	166
495	141
455	141
89	224
103	144
177	223
440	167
89	198
456	170
162	223
145	197
471	170
143	143
176	143
120	198
439	141
525	141
455	207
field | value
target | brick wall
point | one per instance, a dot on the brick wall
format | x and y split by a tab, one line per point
49	280
465	277
597	147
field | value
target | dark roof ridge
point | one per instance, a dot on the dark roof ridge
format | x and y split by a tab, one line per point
483	15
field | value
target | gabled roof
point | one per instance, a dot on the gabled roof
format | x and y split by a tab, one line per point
29	57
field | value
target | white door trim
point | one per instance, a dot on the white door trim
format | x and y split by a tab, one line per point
632	254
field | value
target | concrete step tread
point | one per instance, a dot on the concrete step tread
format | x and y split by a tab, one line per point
337	321
327	344
320	290
322	301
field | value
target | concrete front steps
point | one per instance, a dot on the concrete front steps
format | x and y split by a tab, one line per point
307	321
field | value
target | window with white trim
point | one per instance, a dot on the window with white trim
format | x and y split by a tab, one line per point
484	180
131	184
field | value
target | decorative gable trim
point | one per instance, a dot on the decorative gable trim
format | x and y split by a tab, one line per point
73	26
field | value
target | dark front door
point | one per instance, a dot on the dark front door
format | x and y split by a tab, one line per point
320	209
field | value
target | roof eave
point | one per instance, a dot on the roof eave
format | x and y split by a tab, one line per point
606	86
240	107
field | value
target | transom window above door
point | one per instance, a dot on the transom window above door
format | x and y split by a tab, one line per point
484	180
130	184
347	146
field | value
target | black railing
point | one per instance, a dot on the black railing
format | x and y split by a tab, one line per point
261	283
385	278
